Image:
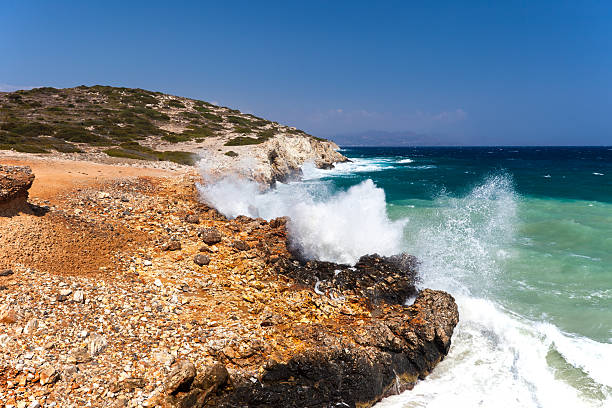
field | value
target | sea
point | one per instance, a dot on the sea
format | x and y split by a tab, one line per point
520	236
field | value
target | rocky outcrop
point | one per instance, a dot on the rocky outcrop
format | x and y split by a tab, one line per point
376	278
231	318
286	154
277	159
385	356
15	181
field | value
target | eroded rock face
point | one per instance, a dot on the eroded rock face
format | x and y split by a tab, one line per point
15	181
374	277
380	358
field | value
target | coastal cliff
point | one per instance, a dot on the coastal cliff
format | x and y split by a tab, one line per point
123	289
125	125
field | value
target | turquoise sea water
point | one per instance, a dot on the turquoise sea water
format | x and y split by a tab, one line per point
521	237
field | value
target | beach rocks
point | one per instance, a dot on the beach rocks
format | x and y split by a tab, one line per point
48	375
8	315
180	378
241	245
15	181
192	219
201	260
171	245
377	278
6	272
210	236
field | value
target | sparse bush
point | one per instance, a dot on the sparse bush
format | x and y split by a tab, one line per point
243	141
175	104
231	153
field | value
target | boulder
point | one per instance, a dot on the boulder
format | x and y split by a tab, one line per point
180	378
15	181
171	245
201	260
210	236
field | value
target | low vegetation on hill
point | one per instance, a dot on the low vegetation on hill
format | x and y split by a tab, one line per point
122	122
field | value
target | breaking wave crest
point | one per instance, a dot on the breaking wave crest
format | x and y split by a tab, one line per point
498	358
326	225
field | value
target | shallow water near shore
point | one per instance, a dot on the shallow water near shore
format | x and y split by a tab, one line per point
522	237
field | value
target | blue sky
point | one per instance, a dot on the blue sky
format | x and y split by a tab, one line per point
465	72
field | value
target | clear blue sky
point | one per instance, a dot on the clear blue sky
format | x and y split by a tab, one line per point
511	72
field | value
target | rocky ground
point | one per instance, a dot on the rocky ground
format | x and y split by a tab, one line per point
119	288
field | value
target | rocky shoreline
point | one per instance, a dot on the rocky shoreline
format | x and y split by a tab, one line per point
130	292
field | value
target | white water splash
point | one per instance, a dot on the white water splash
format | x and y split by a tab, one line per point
338	227
497	358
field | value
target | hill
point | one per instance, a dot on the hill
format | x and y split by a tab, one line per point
144	125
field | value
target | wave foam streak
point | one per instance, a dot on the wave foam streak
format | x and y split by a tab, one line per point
338	227
497	358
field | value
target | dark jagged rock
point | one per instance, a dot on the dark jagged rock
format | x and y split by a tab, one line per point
377	278
382	357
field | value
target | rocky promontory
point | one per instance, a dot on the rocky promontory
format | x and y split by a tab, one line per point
127	292
136	127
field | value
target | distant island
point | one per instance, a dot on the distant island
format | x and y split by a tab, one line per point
388	139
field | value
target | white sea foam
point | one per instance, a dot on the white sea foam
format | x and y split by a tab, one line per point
497	358
339	227
406	161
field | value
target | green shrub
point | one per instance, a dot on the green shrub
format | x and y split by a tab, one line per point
125	154
25	148
243	141
231	153
243	130
175	104
266	134
29	129
186	158
212	117
176	137
240	121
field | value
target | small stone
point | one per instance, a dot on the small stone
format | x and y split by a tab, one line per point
65	292
61	298
4	339
8	316
79	296
31	326
48	375
34	404
192	219
210	236
158	283
147	263
172	245
96	345
241	245
6	272
163	357
201	260
180	378
79	356
103	195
